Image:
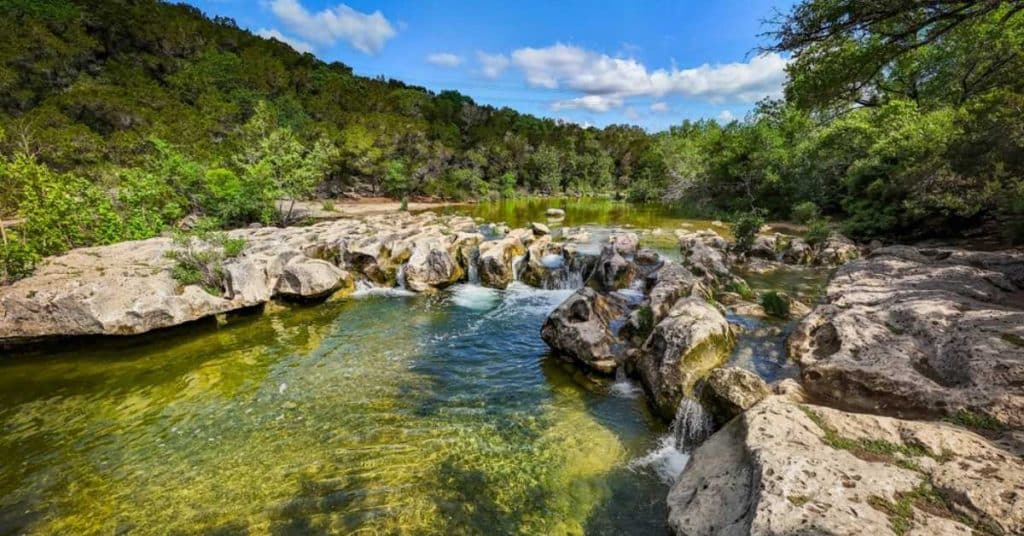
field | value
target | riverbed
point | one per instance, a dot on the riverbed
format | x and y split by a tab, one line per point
386	412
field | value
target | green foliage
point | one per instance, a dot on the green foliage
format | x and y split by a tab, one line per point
507	185
775	304
818	231
976	421
17	258
742	288
745	226
805	212
396	178
200	258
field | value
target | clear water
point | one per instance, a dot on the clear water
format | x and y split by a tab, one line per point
388	413
385	414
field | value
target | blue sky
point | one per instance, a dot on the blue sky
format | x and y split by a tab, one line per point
652	63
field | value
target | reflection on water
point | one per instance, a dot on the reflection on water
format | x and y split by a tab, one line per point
422	415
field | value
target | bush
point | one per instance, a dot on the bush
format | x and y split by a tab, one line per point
775	304
328	205
742	288
817	233
745	226
805	212
17	259
199	259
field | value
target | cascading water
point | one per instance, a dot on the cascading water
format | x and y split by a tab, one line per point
472	270
516	265
400	277
691	426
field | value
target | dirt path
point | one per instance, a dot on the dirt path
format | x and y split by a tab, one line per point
364	207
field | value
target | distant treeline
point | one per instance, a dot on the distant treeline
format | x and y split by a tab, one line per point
119	118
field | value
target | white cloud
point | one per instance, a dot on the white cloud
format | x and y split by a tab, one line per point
571	67
445	59
726	117
492	65
659	107
298	45
366	32
594	103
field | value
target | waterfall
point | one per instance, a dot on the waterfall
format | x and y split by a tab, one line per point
516	262
400	277
472	270
692	424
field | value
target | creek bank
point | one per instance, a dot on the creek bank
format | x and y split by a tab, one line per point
786	468
921	333
905	332
129	288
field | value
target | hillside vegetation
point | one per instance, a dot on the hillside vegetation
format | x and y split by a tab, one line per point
121	118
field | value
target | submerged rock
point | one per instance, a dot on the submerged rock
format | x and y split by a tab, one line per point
686	345
783	468
581	328
920	332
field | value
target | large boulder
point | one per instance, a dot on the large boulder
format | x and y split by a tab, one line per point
625	244
914	332
798	251
613	271
784	468
670	282
497	260
705	253
431	266
121	289
580	328
685	346
305	278
837	250
727	392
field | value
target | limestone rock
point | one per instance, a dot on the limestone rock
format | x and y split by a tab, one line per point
727	392
554	213
613	271
310	279
581	328
497	258
798	251
783	468
431	266
539	229
671	282
837	250
685	346
705	254
920	332
625	244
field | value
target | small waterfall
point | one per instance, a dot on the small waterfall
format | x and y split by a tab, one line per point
400	277
565	274
692	424
472	270
516	264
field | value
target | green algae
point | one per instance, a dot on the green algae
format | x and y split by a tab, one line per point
380	415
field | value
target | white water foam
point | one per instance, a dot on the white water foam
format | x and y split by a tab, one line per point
475	297
365	289
624	387
691	426
666	461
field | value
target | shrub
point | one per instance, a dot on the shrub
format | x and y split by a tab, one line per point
817	233
508	185
775	304
742	288
17	259
745	226
328	205
805	212
200	257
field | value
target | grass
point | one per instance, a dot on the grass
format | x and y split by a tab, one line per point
1015	340
871	449
976	421
928	499
741	288
775	304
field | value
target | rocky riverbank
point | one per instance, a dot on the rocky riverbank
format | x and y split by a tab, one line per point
129	288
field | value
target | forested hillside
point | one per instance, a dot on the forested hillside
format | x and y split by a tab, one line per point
119	118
